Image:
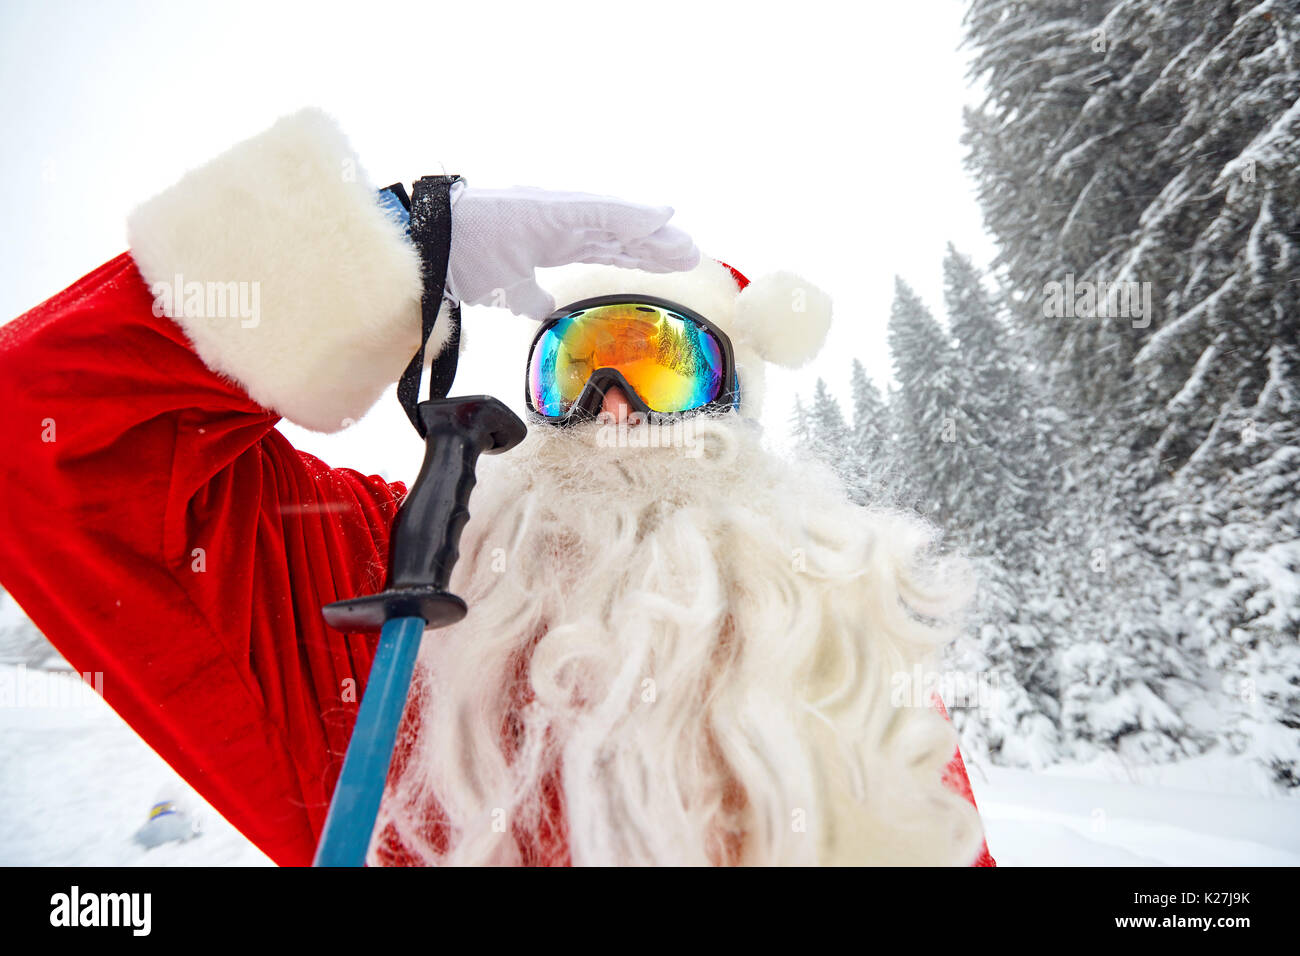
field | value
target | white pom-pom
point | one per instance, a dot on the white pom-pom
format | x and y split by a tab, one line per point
783	318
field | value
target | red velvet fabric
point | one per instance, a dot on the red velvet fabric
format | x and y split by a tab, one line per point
158	529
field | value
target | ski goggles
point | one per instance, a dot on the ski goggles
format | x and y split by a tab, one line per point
667	360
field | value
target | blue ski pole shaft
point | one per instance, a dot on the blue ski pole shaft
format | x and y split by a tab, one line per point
351	819
423	549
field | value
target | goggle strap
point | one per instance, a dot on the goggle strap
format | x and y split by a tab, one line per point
430	229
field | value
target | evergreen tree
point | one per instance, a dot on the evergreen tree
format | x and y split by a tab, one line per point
948	441
870	427
1153	144
821	433
800	426
1146	142
1230	522
926	404
1004	476
827	421
1069	621
871	458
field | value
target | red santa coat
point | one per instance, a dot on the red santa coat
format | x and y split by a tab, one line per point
159	529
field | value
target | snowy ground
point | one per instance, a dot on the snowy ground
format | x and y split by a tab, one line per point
1201	812
76	783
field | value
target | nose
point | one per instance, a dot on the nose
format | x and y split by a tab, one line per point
615	404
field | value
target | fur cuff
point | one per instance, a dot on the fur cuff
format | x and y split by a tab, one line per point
285	273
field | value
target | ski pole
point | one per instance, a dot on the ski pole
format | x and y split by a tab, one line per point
422	552
355	805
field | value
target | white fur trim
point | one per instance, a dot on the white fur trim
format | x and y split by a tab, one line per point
785	318
290	213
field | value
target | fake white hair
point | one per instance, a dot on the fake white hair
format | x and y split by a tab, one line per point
679	655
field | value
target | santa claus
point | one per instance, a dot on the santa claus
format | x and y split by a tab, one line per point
681	647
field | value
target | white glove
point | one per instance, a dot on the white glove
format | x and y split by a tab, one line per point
499	236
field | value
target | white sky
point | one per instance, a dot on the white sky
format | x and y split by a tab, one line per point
820	137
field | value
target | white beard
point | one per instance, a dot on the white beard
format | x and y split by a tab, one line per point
679	656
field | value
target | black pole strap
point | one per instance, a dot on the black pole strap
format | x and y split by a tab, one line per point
430	209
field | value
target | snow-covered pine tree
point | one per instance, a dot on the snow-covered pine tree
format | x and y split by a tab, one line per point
800	426
821	432
1230	521
1042	198
1005	490
949	455
1008	472
1153	144
829	430
964	399
1067	632
1125	679
870	429
1070	617
926	406
1146	142
872	456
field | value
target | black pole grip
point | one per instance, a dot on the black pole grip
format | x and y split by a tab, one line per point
425	540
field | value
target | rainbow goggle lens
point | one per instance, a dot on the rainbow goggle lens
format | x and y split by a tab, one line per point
668	360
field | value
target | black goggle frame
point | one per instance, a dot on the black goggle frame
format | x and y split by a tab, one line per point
589	402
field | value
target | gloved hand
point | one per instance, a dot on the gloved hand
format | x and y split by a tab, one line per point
500	236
